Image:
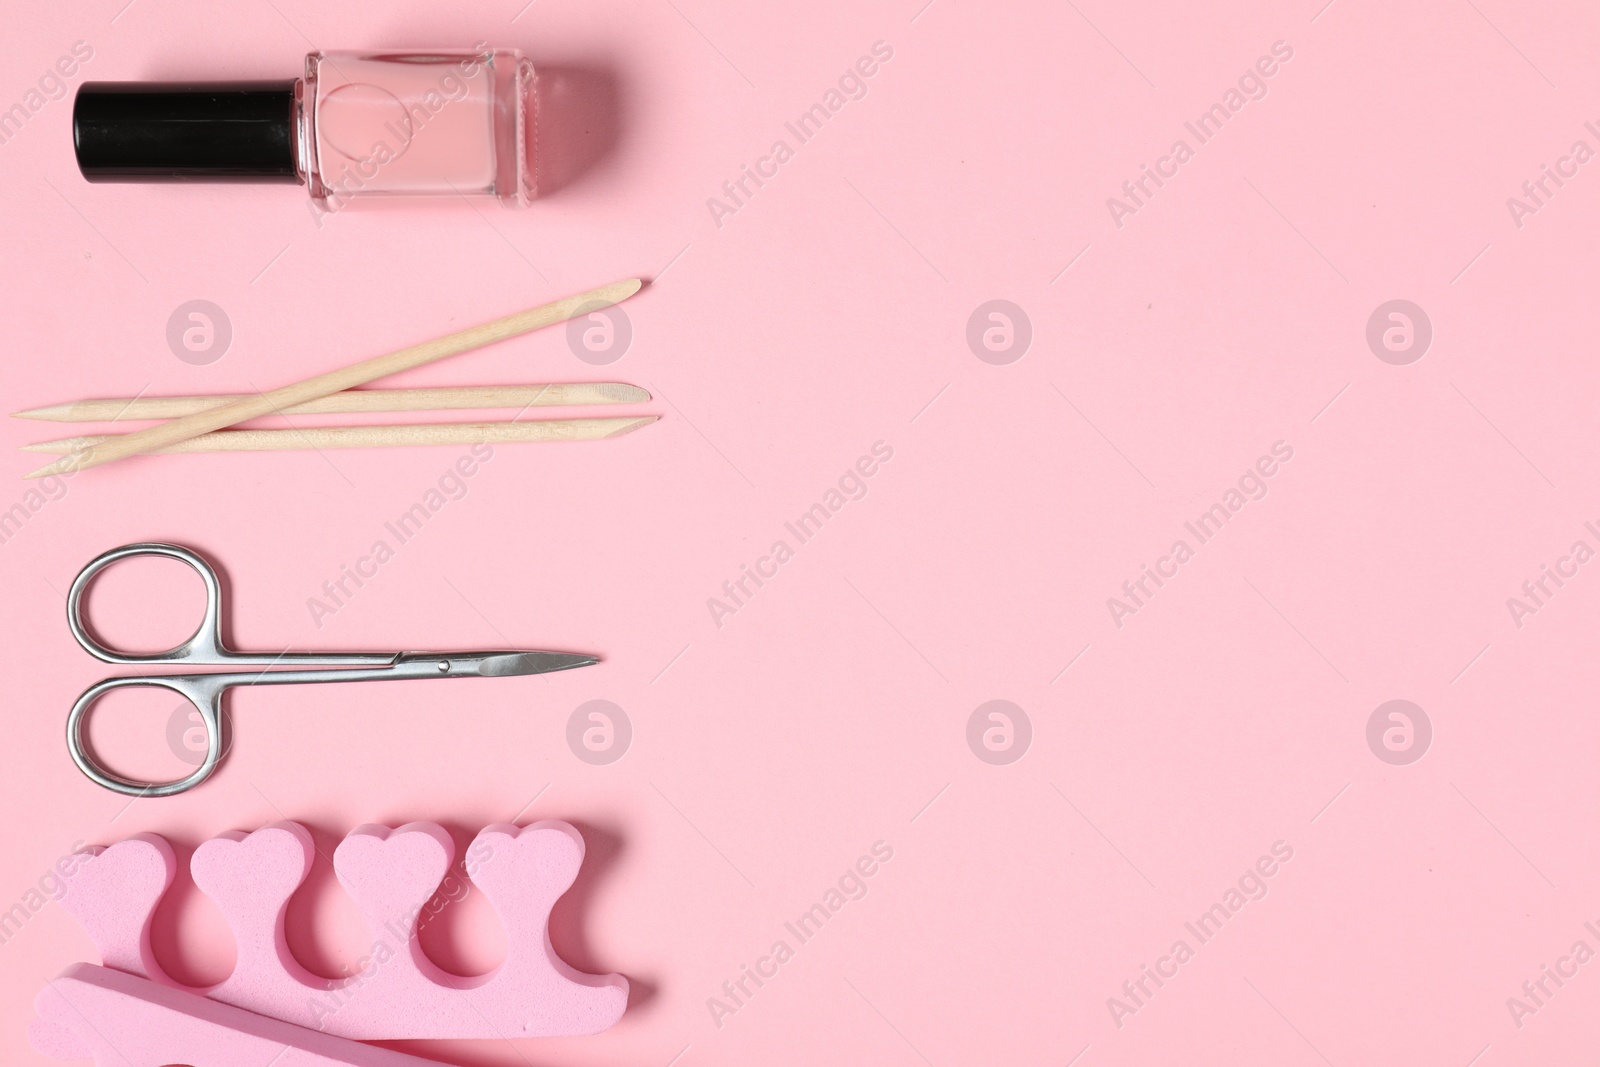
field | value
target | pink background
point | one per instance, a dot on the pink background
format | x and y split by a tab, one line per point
828	313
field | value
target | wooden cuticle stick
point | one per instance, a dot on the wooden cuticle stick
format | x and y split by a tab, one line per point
348	401
186	427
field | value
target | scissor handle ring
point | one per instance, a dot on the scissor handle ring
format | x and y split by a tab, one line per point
207	700
204	645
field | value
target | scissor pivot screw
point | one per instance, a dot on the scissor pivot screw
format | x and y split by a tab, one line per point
444	665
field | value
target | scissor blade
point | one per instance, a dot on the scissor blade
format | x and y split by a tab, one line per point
508	664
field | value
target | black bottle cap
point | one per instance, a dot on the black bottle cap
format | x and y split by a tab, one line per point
186	131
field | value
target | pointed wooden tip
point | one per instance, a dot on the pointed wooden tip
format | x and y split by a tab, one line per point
603	296
79	457
630	425
622	393
62	446
53	413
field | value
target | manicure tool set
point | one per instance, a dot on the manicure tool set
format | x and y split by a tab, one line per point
126	1010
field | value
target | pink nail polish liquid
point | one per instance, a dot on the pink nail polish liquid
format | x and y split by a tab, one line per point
358	125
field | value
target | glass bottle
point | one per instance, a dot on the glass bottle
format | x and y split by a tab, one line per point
358	124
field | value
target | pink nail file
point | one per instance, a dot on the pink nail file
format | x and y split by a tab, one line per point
390	874
124	1021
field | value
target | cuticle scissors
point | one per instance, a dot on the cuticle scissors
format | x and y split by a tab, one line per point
205	648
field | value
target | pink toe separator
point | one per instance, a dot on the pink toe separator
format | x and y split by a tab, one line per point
390	874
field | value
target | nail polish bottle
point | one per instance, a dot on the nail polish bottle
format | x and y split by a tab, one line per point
358	124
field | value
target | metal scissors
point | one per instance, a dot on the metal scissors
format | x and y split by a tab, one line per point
205	648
